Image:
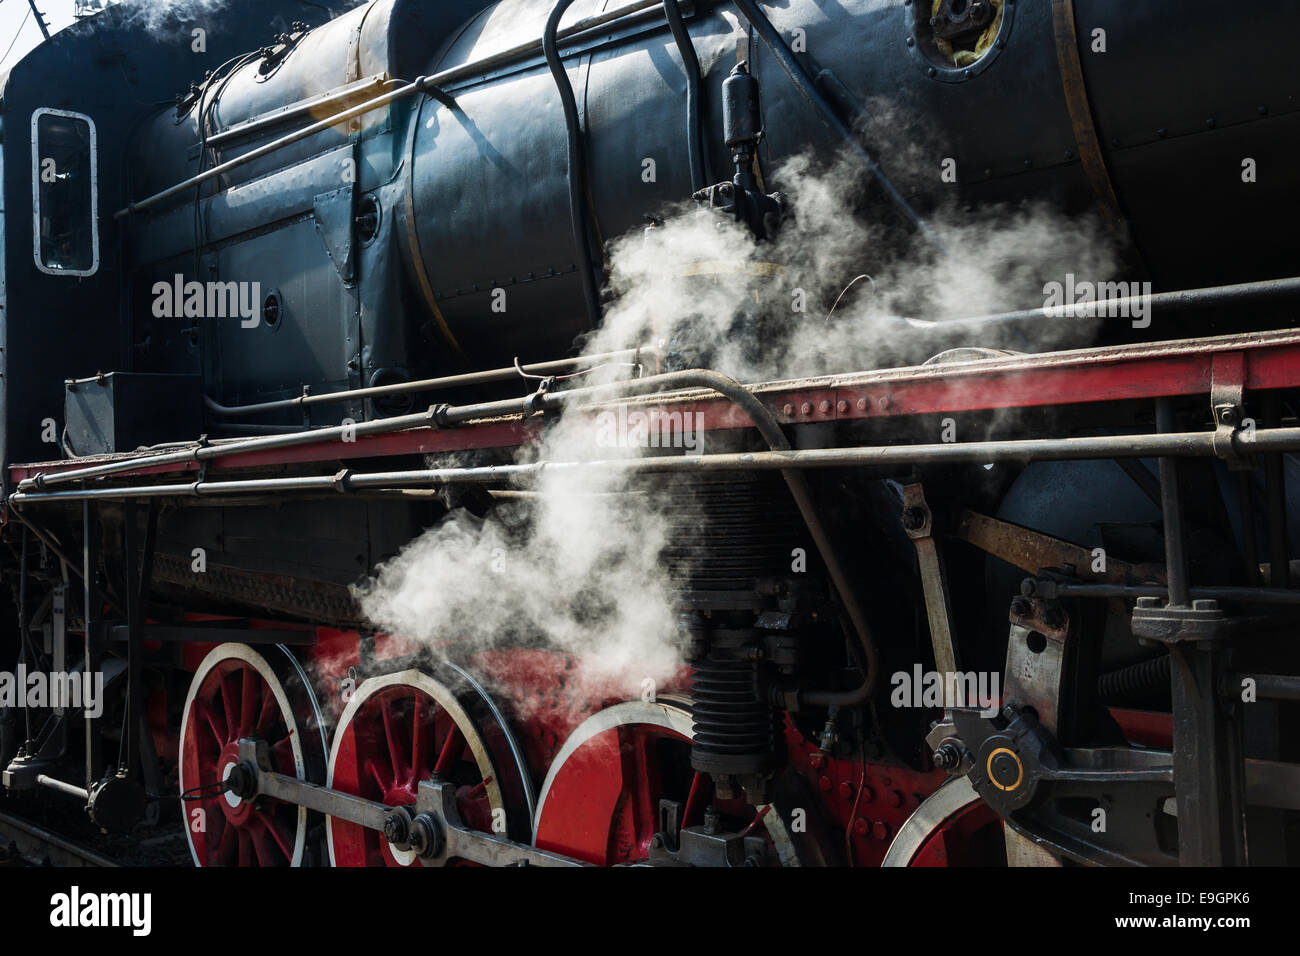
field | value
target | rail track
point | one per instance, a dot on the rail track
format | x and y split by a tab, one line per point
23	843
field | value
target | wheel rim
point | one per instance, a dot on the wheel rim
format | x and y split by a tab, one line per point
599	801
399	729
952	827
237	692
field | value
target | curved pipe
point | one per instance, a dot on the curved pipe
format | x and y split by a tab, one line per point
770	429
577	172
772	39
691	64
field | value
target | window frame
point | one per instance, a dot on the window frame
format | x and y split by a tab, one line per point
36	193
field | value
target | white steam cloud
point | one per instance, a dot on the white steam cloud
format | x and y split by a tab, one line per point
574	566
578	567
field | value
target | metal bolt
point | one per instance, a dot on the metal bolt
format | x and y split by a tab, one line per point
824	407
862	404
395	829
712	820
1021	606
806	408
788	408
947	757
846	790
842	406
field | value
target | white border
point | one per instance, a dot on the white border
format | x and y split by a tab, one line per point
36	194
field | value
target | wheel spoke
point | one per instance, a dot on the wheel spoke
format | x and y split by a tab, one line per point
273	827
228	705
263	852
373	769
282	755
221	855
417	739
248	701
452	748
245	847
267	714
390	733
209	717
701	788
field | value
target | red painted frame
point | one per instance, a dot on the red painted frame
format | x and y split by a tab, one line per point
1257	360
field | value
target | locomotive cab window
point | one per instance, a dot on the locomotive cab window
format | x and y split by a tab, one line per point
64	193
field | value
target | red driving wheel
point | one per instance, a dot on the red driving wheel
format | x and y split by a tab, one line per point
400	729
600	800
236	693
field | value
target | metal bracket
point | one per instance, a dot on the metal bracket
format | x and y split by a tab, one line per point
918	522
334	213
1227	402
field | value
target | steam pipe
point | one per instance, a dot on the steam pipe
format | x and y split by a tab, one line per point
691	64
579	214
71	789
433	384
421	85
1185	300
1188	444
750	10
308	109
1037	449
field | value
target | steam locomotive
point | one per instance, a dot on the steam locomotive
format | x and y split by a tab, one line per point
288	284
